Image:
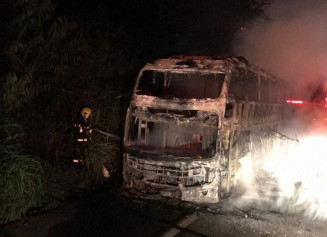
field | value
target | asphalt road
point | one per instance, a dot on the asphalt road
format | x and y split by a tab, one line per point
112	213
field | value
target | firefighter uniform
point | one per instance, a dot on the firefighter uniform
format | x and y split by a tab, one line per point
82	134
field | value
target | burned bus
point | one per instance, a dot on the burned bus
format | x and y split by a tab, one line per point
191	119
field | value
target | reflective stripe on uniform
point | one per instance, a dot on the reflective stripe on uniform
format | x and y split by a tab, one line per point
77	161
82	140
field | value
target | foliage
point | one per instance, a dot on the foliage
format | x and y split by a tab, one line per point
22	177
21	186
55	66
12	139
101	152
166	28
61	181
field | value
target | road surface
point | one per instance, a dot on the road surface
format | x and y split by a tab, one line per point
110	212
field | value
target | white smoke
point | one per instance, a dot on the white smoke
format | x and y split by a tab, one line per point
292	45
297	176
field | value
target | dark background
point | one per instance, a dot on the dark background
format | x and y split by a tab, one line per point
58	56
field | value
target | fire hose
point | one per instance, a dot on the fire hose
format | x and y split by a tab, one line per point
108	134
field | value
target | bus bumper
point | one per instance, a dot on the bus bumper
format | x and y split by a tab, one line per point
194	181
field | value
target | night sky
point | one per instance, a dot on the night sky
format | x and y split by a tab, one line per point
165	28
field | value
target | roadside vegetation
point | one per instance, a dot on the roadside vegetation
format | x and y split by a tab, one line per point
55	59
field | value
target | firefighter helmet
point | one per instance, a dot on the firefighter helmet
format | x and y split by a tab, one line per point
86	112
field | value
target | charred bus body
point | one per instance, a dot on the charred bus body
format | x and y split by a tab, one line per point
191	119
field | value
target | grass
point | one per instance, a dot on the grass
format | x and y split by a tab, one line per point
21	186
28	183
21	175
101	152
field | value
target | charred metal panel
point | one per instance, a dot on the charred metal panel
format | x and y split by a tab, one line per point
195	181
191	119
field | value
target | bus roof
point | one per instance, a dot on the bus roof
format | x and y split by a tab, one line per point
214	63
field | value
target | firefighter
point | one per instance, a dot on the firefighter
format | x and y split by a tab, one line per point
82	134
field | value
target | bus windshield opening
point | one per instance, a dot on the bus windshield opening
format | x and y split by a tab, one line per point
181	140
181	85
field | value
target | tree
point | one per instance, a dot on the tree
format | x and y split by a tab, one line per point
53	67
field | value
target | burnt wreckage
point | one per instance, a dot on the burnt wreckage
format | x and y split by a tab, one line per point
191	119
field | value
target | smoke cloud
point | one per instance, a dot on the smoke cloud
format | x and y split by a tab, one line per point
291	45
292	178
